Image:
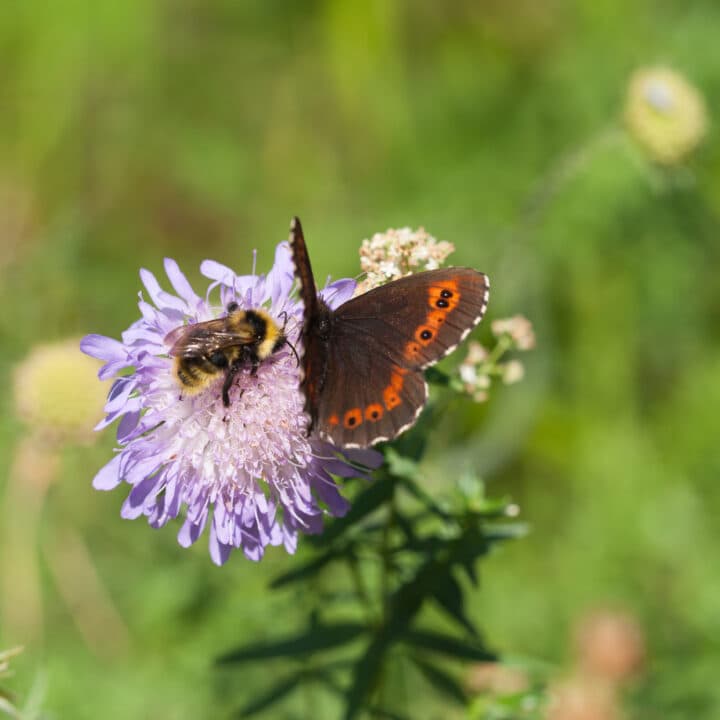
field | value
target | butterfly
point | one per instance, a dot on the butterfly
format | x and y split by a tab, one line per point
362	367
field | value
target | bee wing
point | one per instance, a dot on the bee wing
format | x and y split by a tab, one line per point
204	338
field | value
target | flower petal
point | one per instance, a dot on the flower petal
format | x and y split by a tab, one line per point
338	292
217	271
136	500
103	348
219	552
180	283
161	299
280	279
108	477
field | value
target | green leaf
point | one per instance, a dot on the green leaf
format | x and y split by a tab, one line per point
413	444
451	599
429	545
316	639
441	680
447	645
365	675
423	497
276	693
469	547
399	466
509	531
437	377
404	604
363	505
309	569
383	714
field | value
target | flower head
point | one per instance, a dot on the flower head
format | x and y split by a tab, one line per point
610	645
55	392
665	114
582	698
481	365
395	253
518	329
250	470
474	372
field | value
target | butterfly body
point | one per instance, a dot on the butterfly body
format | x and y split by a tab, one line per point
363	362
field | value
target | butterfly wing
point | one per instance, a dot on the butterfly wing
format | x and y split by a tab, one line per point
368	396
379	344
314	341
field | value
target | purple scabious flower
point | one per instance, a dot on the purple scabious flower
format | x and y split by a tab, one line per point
249	471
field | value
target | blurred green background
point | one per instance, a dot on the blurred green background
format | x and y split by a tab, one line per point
137	130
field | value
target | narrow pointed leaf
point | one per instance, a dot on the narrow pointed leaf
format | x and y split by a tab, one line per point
413	444
449	596
317	639
382	714
364	504
447	645
307	570
276	693
365	675
437	377
441	680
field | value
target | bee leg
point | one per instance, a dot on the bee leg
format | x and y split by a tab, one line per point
229	377
254	363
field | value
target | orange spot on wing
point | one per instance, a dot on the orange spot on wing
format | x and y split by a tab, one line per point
390	398
396	379
411	350
435	319
446	293
334	419
391	394
353	418
374	412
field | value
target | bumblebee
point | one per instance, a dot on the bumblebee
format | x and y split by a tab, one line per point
205	350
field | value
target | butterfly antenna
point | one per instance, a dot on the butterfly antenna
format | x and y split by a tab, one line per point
295	352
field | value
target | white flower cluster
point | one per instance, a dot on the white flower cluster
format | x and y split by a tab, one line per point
395	253
518	328
481	365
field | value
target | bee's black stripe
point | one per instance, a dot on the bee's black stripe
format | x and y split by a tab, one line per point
259	324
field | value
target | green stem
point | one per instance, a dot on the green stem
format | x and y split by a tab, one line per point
504	343
386	555
385	576
567	168
361	588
